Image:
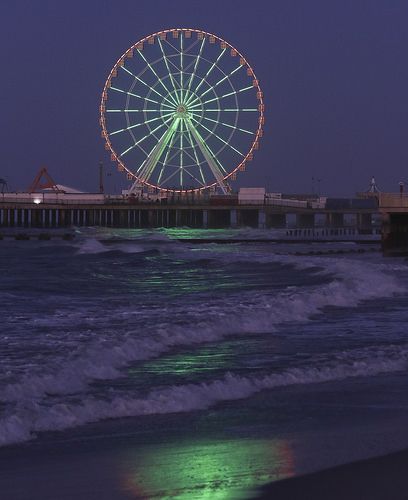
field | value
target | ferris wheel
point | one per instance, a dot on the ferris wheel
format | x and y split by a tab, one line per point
182	111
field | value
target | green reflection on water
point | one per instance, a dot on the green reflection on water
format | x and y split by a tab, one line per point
227	469
184	232
202	360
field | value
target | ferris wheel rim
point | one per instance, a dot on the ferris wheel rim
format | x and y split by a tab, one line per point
206	185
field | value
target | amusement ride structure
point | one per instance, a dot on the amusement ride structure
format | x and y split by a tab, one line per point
181	111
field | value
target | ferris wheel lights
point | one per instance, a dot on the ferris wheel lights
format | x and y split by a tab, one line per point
179	108
262	120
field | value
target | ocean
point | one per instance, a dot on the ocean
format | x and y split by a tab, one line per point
149	367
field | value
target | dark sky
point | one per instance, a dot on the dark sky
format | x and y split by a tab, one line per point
334	75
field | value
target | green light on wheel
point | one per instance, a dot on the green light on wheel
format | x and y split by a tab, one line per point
180	114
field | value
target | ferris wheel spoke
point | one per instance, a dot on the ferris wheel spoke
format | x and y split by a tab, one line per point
166	62
146	110
177	51
232	110
216	85
169	146
134	95
145	137
222	80
188	66
209	71
181	153
145	171
187	171
217	136
228	125
235	92
190	139
139	124
181	79
147	85
176	67
209	156
156	75
196	64
176	153
190	156
171	176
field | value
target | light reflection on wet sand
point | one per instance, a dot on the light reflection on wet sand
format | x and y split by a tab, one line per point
223	469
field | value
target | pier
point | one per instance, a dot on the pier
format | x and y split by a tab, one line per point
58	211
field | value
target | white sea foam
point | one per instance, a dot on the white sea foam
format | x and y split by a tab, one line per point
202	322
36	417
92	246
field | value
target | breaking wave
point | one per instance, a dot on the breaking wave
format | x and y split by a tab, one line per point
250	313
37	417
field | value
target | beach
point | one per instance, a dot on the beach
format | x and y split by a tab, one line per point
378	478
138	366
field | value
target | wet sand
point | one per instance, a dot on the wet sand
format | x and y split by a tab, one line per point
87	471
382	478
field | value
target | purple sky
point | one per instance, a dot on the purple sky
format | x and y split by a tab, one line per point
334	74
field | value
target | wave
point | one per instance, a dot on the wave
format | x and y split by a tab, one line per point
36	417
92	246
201	322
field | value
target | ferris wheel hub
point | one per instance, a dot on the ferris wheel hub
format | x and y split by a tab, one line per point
182	110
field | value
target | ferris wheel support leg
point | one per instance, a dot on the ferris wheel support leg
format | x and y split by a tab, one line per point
209	158
136	188
147	168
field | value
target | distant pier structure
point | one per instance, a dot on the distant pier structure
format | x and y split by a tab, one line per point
393	208
251	207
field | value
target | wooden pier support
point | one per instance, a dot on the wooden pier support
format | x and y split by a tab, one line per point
156	215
